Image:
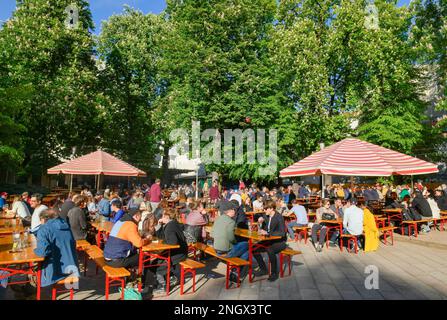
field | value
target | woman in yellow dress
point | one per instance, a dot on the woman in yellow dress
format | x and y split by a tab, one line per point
370	229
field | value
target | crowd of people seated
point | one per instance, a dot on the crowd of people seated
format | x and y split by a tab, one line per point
144	213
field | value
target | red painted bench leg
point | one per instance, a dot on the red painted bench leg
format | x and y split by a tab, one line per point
107	287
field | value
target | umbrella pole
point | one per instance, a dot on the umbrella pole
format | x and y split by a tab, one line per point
71	183
412	185
98	183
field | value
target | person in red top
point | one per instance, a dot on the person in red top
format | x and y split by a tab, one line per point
241	185
214	192
155	195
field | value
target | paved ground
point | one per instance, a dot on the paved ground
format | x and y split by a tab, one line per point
411	269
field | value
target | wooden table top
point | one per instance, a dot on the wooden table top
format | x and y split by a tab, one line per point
312	214
338	221
397	210
6	216
11	228
253	235
103	226
24	256
159	246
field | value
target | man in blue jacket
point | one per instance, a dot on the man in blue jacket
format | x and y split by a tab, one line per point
56	244
104	205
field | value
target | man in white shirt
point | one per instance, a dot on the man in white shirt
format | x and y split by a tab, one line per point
21	210
36	204
352	218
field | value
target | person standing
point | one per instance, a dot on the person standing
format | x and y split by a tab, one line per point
155	194
76	218
273	225
36	204
67	206
56	244
241	185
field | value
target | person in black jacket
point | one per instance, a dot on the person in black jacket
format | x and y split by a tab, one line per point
421	205
67	206
272	225
441	199
171	232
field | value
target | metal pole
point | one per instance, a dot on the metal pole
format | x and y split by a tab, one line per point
71	183
197	183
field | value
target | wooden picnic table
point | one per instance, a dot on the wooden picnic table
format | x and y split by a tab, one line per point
253	236
336	223
103	227
8	226
393	214
156	250
26	261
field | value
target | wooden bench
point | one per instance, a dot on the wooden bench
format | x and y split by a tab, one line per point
114	276
413	224
232	263
81	245
287	255
70	280
387	231
441	222
302	232
189	266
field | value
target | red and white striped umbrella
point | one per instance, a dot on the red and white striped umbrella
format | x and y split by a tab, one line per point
96	163
354	157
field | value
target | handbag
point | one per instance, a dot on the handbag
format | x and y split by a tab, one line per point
328	216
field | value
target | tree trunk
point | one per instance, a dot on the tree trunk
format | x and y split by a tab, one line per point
165	166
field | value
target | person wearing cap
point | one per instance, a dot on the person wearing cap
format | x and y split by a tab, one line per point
121	247
225	242
3	201
272	225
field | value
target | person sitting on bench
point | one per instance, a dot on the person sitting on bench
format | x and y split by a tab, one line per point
56	244
121	248
225	242
171	232
273	225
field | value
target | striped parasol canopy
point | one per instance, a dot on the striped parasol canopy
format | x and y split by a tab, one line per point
354	157
97	163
